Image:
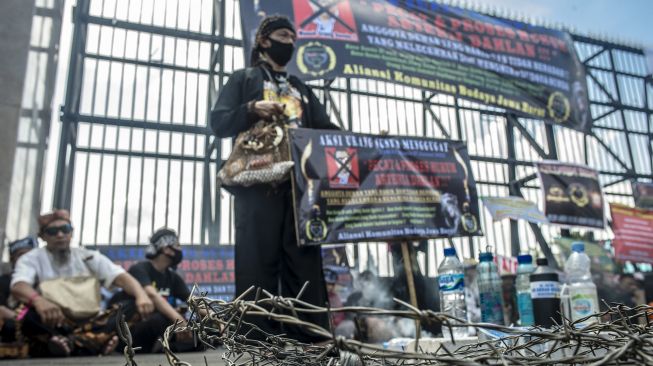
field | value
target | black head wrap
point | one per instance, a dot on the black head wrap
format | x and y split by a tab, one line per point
25	243
161	238
267	26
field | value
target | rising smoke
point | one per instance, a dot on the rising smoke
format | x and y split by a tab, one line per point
372	292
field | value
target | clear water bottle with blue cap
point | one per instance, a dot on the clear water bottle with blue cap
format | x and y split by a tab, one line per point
523	286
451	282
579	299
490	290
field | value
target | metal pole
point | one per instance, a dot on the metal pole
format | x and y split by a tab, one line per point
410	281
69	111
512	175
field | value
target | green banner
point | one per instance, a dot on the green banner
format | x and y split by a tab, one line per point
529	70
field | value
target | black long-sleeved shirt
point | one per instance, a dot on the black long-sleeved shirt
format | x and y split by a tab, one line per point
230	116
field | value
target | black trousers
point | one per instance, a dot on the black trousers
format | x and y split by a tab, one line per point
147	332
8	331
267	255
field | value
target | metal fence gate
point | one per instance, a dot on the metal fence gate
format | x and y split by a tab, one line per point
136	152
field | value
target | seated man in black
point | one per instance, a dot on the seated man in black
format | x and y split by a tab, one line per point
7	308
162	284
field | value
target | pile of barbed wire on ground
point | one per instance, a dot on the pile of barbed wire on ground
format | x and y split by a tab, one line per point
625	337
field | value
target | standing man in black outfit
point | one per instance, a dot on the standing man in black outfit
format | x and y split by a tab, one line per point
267	253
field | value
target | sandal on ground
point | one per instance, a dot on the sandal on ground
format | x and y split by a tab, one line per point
110	346
59	346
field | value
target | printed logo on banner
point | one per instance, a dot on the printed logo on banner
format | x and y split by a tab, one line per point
316	228
342	167
326	19
316	59
558	107
470	224
578	194
556	194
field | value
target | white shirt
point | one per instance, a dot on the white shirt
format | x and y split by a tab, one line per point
38	265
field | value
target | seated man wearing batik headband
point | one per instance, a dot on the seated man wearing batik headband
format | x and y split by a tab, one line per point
7	303
49	320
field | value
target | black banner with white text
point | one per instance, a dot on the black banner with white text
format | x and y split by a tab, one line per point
572	194
351	187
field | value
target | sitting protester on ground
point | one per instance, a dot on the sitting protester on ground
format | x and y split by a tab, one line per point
163	285
60	287
7	303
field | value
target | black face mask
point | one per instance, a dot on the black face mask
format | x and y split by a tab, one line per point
177	258
280	52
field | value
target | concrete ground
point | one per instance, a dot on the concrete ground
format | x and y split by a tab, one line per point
213	358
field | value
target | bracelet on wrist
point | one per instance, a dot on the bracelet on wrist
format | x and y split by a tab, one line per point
32	298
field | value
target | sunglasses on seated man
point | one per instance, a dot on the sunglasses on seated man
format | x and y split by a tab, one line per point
54	230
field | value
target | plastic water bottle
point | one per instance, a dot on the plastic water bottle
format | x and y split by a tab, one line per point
581	298
451	282
490	290
545	294
523	285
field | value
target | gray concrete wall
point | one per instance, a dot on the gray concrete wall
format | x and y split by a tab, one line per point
15	31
